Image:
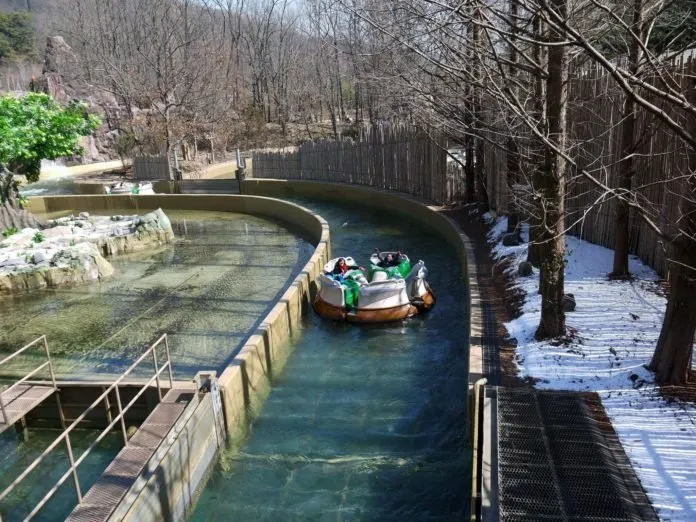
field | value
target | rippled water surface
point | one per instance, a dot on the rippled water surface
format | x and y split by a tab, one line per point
207	291
50	187
364	423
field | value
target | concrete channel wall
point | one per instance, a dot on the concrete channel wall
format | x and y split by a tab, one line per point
244	384
169	487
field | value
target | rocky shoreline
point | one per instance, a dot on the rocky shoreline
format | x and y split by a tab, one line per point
72	250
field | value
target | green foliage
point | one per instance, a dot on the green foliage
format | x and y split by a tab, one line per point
11	231
125	144
34	127
16	36
38	237
675	28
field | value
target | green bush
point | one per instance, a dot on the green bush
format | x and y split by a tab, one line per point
35	127
11	231
16	36
38	237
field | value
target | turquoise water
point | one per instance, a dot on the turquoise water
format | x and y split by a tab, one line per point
207	291
16	454
364	423
50	187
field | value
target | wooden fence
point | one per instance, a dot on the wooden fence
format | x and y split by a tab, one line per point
151	168
661	162
390	157
402	159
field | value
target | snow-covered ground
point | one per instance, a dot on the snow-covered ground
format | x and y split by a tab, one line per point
617	325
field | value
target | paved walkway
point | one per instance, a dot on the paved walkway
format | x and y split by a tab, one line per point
78	170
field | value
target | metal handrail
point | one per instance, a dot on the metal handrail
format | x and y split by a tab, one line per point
36	370
65	436
475	414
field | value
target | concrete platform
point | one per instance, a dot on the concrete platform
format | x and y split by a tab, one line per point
20	400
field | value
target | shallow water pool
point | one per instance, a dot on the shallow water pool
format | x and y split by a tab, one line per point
207	291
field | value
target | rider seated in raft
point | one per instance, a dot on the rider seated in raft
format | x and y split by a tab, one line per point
391	260
341	268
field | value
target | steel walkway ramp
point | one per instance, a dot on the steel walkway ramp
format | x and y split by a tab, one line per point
101	500
20	397
558	459
106	494
19	400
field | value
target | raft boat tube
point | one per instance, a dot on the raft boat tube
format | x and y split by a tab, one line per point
395	290
126	187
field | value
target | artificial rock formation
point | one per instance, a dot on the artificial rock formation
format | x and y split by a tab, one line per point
72	250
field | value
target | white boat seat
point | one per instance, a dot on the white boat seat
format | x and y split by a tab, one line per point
379	276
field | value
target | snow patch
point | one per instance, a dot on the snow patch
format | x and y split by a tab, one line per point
617	325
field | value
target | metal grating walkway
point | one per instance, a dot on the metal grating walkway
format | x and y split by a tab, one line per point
20	400
558	461
106	494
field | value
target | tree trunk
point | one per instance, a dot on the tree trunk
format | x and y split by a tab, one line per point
533	252
481	190
512	154
626	167
536	211
469	172
622	232
552	233
469	142
671	361
479	172
513	225
12	215
357	101
513	174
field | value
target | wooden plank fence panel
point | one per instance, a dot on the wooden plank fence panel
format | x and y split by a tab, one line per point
151	168
595	145
391	157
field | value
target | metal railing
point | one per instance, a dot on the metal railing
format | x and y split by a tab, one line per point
47	364
103	398
475	419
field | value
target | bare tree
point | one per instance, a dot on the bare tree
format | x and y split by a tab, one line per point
628	144
553	183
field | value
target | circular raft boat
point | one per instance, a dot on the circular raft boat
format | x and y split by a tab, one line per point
124	187
389	290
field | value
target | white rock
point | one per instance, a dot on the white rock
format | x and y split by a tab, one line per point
57	232
40	256
12	262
